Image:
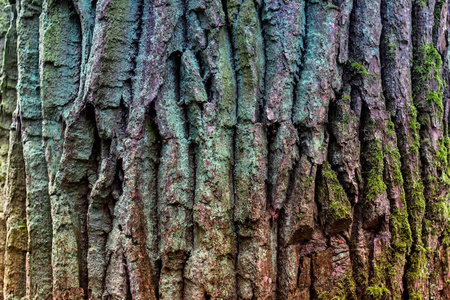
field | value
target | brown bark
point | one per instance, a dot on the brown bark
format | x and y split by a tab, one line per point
224	149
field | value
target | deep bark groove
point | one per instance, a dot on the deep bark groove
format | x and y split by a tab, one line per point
251	149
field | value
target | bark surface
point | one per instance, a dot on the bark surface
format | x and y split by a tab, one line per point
233	149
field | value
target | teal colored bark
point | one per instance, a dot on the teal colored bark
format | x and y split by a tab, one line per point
235	149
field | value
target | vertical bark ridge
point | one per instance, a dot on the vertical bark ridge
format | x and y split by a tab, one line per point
144	135
408	208
317	215
211	103
254	261
39	222
212	117
175	171
241	149
280	76
86	15
15	216
109	89
9	98
427	93
175	184
371	228
16	233
60	56
443	42
439	285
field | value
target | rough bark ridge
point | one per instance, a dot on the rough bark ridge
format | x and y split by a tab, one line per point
234	149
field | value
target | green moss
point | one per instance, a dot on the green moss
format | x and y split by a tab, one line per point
400	231
390	129
336	294
418	262
22	226
428	68
446	236
344	290
394	155
392	47
358	68
307	183
339	206
443	157
398	178
377	289
415	296
358	176
436	98
437	207
440	209
374	158
418	202
346	98
361	70
442	153
332	6
377	292
415	127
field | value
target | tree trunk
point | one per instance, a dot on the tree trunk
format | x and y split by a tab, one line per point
234	149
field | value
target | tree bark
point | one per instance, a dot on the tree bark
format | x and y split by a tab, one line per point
234	149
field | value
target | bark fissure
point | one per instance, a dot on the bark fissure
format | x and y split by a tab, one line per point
234	149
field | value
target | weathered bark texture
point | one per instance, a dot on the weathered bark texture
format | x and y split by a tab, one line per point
224	149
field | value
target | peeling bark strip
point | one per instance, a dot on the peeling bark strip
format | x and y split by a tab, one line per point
234	149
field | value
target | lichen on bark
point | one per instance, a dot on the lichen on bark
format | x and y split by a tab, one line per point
234	149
